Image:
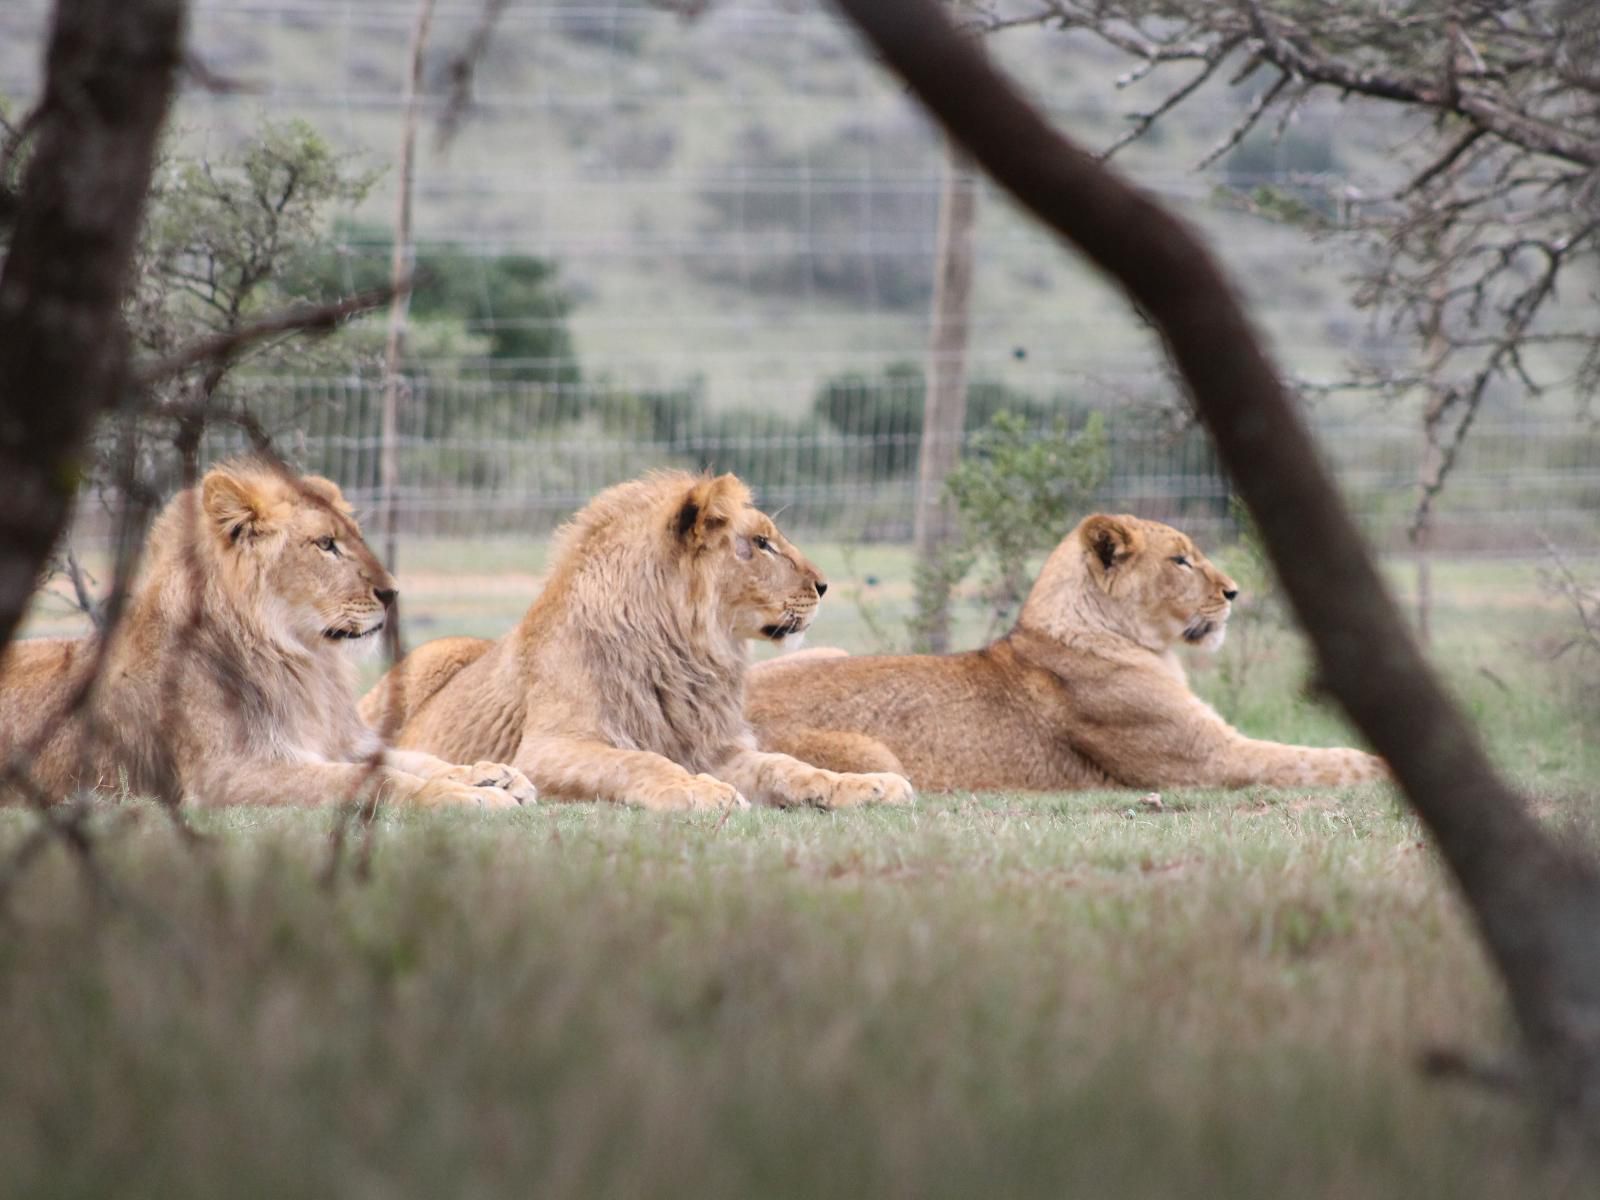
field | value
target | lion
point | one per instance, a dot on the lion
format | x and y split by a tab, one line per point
1084	692
229	680
625	679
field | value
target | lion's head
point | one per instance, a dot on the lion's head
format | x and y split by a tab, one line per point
1146	579
290	550
756	577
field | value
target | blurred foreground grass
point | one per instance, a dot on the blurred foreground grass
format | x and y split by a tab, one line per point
997	995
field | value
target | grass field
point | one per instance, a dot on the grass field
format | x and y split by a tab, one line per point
987	995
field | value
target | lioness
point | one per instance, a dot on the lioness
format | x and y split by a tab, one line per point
625	679
1084	692
228	681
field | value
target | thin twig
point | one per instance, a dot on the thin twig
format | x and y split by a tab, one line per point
1245	123
463	69
1144	121
87	604
222	348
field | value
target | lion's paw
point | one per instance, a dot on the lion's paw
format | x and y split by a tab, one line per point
878	787
493	776
448	793
696	792
812	787
508	779
897	789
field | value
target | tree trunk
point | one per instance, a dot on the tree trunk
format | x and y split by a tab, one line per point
1537	903
400	267
944	406
109	77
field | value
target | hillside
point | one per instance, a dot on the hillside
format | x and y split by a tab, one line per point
745	199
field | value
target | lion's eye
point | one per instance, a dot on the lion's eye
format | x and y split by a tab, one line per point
1180	560
761	543
327	543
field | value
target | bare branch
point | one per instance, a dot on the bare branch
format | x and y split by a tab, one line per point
463	69
200	73
1444	162
1518	128
321	319
80	590
1248	122
1143	121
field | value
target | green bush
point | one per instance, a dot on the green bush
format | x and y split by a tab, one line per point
515	302
888	408
1016	489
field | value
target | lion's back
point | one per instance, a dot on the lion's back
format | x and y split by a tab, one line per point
978	720
417	678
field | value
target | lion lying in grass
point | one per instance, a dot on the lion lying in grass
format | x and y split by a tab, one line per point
625	679
229	680
1085	692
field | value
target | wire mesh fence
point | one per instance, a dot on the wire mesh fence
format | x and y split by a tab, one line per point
488	457
711	242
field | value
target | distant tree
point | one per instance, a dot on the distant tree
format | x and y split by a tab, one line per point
888	406
221	238
515	302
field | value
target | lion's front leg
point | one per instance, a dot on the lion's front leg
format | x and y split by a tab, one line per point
576	768
479	774
839	750
784	782
280	784
1277	765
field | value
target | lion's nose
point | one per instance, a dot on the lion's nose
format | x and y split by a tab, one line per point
822	588
385	595
1229	593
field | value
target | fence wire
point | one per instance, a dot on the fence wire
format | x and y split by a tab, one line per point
489	457
739	211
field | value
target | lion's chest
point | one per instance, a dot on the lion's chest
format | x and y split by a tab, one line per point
692	722
308	715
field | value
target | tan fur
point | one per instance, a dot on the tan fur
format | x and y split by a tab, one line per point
229	680
625	679
1085	691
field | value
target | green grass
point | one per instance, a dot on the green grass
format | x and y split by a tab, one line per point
985	995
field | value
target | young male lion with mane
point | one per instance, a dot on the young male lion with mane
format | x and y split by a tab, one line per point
625	679
229	679
1084	692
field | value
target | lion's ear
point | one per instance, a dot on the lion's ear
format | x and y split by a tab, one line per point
709	505
1111	540
236	506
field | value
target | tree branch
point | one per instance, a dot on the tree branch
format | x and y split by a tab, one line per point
221	348
1517	128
